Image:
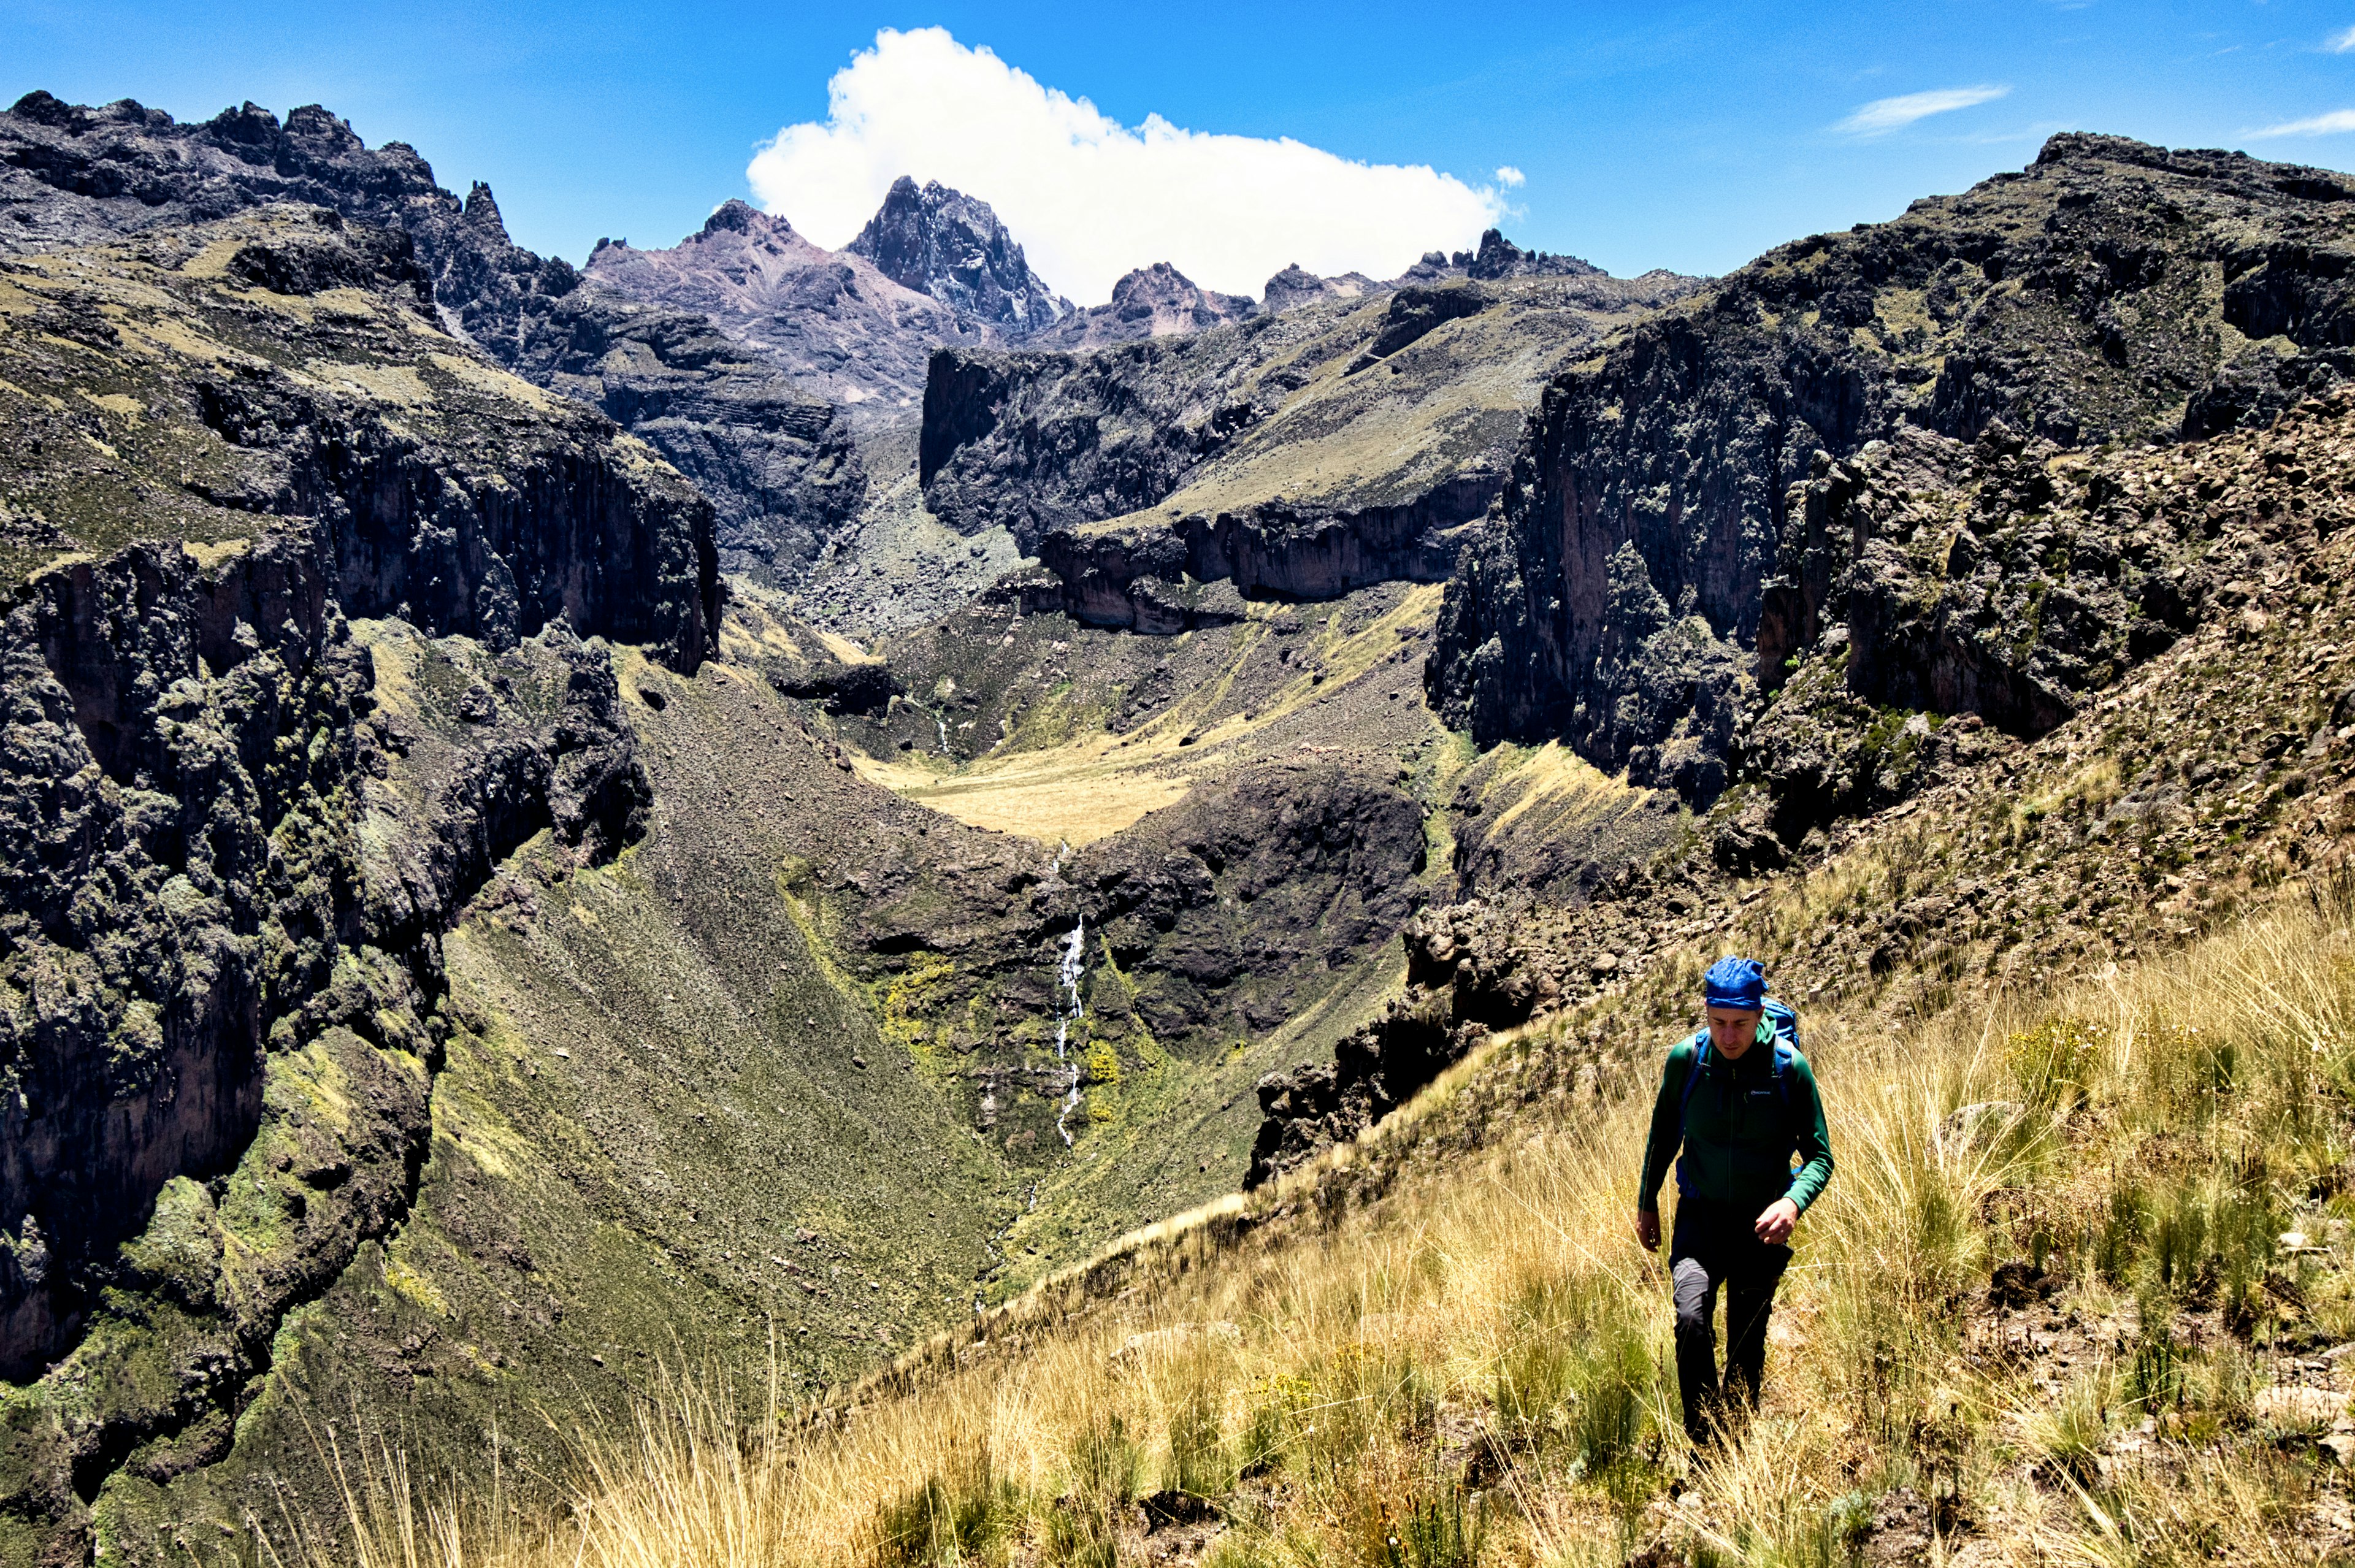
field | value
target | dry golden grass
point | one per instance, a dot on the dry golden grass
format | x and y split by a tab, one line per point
1054	798
1326	1380
1098	784
1553	781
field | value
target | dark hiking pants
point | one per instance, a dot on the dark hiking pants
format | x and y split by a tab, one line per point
1714	1245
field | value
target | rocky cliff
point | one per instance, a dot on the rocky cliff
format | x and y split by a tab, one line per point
227	870
1157	301
1296	285
1303	453
2110	291
779	467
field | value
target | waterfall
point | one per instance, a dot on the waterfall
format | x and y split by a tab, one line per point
1070	1009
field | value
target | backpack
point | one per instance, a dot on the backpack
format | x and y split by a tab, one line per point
1786	1046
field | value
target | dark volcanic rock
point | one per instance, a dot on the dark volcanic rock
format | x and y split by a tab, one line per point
1617	600
1036	442
1150	578
209	894
1416	310
459	499
1296	285
2004	581
1468	974
779	466
1321	858
1500	258
223	873
941	242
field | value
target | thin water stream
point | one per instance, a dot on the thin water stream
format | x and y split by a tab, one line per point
1067	981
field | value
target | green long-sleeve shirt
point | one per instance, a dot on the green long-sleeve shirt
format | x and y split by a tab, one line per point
1736	1134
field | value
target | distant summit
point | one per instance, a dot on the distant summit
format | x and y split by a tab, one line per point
1151	302
1296	286
943	243
1497	258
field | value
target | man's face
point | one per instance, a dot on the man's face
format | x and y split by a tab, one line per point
1732	1030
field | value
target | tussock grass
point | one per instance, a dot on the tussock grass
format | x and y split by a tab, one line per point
1475	1367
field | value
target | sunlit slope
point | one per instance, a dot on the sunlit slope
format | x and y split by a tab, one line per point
2073	1289
1352	432
1081	755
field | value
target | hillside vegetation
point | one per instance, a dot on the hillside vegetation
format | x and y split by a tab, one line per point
2074	1294
2004	1330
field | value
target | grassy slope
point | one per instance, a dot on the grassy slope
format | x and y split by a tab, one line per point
100	441
1064	732
664	1080
652	1130
2160	1014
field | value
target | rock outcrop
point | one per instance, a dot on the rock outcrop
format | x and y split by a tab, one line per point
2005	582
1498	257
1036	442
780	468
2112	291
1470	970
1323	859
1157	301
1150	578
937	241
1296	285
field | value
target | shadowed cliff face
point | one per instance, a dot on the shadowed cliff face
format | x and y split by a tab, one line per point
140	796
225	871
1149	578
779	468
2112	291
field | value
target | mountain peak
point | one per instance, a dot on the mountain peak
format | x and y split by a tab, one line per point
735	216
1500	258
941	242
1297	285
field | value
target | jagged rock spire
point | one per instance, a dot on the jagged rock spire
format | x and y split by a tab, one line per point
943	243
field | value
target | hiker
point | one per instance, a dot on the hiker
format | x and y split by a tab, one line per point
1739	1100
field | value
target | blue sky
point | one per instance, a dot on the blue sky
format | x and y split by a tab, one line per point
1689	136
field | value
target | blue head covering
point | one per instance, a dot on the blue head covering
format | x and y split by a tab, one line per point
1734	982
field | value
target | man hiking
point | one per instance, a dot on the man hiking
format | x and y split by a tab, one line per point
1739	1100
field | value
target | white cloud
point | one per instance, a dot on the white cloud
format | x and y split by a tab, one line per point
1883	115
1509	175
2339	43
1089	198
2329	125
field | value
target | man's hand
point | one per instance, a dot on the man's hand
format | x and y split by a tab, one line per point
1648	1229
1775	1225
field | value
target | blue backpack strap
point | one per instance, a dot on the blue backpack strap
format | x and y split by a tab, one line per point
1786	1045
